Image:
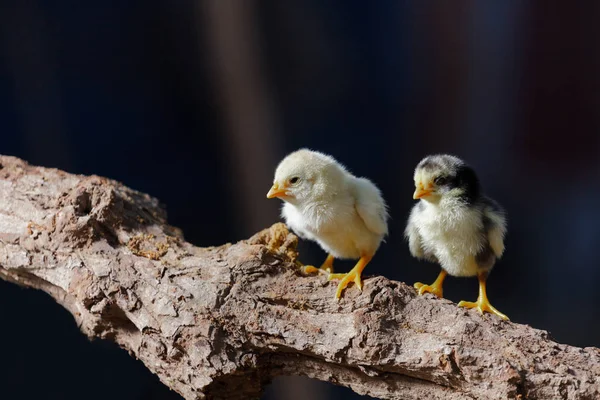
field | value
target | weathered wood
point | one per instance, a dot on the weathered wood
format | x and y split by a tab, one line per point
221	322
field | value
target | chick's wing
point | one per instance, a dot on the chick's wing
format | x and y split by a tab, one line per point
494	222
415	243
370	206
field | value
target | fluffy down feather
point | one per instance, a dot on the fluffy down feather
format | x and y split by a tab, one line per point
455	225
345	215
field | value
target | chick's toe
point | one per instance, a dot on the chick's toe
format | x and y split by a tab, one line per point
482	304
326	267
435	287
355	275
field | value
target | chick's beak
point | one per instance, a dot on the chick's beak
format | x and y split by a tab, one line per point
276	191
421	192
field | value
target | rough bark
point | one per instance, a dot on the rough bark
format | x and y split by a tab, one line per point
221	322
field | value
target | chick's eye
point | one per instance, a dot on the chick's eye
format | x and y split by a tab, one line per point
441	180
294	180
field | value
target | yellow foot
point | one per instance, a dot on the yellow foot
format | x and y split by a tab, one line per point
326	268
353	276
311	269
433	288
483	305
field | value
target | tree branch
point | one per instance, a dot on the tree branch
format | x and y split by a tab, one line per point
221	322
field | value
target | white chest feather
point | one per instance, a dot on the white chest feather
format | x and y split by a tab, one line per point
454	235
338	228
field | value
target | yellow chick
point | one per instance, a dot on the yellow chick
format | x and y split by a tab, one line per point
323	202
455	225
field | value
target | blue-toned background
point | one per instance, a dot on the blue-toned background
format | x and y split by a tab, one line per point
195	102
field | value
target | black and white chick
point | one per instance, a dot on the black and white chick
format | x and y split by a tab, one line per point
455	225
324	202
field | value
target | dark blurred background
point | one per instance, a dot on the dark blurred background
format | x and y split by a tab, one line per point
195	102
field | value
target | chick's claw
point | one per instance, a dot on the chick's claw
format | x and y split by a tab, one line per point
352	276
311	269
355	275
433	288
326	268
482	305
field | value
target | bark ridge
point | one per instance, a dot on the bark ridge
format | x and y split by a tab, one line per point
221	322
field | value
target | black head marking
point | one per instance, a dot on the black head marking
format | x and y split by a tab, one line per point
428	164
466	179
453	173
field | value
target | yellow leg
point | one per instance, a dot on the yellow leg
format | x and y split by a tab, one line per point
326	268
482	303
353	276
435	287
